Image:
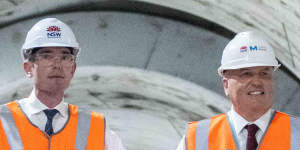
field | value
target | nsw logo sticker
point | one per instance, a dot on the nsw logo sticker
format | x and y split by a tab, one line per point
53	32
243	49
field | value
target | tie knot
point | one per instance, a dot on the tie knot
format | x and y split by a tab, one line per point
252	129
50	113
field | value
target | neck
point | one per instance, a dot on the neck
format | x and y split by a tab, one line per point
49	98
251	115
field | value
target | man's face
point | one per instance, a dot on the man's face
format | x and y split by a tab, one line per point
249	88
52	68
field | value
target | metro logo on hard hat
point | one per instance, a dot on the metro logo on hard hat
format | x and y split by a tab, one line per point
257	48
252	48
53	32
262	48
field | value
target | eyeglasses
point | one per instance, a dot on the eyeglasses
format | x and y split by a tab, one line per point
49	58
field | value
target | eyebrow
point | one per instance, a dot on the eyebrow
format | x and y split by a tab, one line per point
244	69
43	51
269	68
66	52
49	51
265	69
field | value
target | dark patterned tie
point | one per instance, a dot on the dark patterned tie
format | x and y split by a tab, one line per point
50	113
251	139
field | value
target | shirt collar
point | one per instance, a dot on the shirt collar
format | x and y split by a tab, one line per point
239	122
36	106
264	120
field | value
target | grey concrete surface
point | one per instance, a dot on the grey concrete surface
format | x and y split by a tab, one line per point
139	41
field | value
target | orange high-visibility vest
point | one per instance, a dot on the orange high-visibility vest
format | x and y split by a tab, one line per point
83	131
283	133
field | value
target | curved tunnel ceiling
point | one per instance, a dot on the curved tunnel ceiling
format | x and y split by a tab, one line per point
277	20
13	11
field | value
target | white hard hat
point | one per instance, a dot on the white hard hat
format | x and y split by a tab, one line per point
50	32
247	49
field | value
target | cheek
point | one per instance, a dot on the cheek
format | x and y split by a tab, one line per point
68	72
36	76
269	86
235	89
40	74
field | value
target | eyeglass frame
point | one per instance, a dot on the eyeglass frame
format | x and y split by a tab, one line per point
33	57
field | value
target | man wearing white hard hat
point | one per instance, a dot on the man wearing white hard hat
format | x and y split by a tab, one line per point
247	69
43	121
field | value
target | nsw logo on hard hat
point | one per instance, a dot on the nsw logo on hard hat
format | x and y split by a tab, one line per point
243	49
53	32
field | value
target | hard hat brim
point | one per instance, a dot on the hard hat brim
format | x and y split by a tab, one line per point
222	69
54	45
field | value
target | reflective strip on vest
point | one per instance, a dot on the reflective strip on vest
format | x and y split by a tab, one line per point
83	128
203	130
194	142
10	129
295	133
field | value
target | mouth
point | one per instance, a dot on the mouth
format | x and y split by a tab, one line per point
256	93
56	76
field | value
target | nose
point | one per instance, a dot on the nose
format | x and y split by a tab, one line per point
57	58
56	62
256	81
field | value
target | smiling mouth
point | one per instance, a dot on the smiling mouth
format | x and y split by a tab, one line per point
56	77
256	93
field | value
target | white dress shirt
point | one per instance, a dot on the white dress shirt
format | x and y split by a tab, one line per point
238	123
33	109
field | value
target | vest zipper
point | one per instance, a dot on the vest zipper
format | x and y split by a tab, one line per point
49	141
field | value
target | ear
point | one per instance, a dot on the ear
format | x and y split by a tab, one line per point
28	68
225	85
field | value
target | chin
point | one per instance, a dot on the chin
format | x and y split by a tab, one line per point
56	87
